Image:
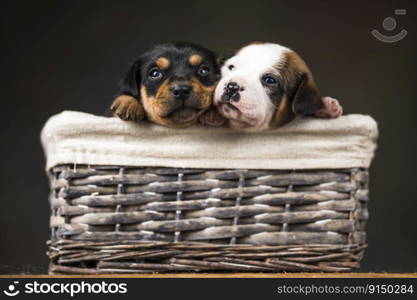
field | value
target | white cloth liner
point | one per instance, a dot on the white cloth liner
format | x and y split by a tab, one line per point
306	143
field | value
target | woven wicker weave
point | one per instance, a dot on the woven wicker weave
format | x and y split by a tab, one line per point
140	220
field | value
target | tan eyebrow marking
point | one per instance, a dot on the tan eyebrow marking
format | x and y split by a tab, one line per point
195	59
163	62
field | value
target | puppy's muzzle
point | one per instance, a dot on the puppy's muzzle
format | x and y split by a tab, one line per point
181	91
231	92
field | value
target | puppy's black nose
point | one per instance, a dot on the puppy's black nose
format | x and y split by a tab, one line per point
231	92
232	87
181	92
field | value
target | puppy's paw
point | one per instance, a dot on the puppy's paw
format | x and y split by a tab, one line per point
331	108
127	108
212	118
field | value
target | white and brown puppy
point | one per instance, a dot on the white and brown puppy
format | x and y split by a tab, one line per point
266	85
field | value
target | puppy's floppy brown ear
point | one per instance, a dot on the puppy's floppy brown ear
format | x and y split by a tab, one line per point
127	105
305	99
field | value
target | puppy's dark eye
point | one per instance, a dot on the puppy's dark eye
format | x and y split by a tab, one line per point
230	67
269	80
155	74
203	70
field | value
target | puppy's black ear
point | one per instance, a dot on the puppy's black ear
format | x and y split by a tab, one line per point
305	98
221	59
218	61
127	105
129	85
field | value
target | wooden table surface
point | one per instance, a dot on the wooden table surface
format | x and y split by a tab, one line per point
225	275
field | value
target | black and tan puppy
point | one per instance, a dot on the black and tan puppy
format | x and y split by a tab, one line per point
171	85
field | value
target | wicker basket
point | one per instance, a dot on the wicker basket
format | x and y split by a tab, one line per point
124	218
134	220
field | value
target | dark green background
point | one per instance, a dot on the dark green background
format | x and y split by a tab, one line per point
61	55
